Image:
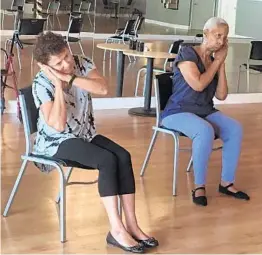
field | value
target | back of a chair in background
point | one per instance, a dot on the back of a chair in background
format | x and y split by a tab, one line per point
16	3
75	26
256	50
53	7
174	48
31	26
130	27
163	91
139	24
85	6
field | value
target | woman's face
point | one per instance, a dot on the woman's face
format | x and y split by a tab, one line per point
216	37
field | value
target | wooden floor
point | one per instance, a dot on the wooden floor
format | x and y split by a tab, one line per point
226	225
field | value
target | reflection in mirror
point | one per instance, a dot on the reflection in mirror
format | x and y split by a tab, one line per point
103	19
58	18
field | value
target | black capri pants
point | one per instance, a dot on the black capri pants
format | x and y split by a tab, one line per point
116	175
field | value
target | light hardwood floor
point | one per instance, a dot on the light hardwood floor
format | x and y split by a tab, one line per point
226	225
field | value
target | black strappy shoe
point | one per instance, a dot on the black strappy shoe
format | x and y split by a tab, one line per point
239	194
201	200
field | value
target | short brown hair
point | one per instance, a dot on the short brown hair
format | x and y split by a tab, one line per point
48	44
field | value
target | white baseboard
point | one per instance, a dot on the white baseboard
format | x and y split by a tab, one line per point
130	102
160	23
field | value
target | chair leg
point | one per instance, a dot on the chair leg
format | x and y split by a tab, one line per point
189	164
137	80
148	154
81	47
62	204
238	79
18	56
15	188
2	21
248	81
104	59
176	154
67	176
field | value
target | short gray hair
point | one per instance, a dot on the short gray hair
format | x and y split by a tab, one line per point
214	22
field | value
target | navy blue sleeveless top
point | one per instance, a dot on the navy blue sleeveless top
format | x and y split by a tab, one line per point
184	98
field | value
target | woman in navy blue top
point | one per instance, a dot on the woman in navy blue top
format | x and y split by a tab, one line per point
199	75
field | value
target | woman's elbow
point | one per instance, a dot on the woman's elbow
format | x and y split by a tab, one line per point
221	97
104	90
58	126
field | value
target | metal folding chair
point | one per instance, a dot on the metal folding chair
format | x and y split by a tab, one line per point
254	62
163	90
75	27
29	117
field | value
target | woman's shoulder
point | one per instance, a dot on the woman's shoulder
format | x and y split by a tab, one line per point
188	51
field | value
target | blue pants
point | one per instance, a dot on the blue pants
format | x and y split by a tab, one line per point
201	132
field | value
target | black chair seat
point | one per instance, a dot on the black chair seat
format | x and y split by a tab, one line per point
257	68
72	39
120	38
75	13
182	134
65	163
28	42
10	10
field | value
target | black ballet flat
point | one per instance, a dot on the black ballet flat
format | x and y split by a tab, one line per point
201	200
151	242
238	195
134	249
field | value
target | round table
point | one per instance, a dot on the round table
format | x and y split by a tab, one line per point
147	111
120	62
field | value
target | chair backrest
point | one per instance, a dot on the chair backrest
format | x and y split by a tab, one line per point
17	3
129	2
53	7
75	25
31	26
174	48
85	6
163	90
105	2
256	50
140	23
130	27
28	107
29	114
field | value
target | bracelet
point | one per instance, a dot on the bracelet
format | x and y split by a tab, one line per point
70	83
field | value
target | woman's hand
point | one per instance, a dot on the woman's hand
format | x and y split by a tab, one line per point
50	75
56	77
221	54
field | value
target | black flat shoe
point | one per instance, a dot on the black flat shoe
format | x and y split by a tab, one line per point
134	249
151	242
201	200
239	194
